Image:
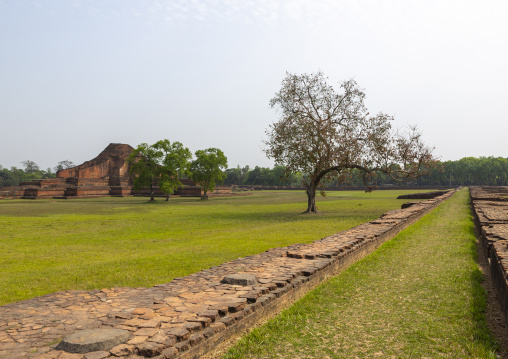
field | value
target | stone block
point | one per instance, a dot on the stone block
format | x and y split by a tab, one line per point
243	279
91	340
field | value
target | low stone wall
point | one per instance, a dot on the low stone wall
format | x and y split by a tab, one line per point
335	188
423	195
11	192
191	316
490	208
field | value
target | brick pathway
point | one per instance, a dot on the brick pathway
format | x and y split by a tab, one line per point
192	314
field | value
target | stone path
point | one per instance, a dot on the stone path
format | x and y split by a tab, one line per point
190	315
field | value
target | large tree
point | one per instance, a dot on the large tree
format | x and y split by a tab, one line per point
325	134
145	166
174	163
208	169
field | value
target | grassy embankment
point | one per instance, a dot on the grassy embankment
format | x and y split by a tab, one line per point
417	296
51	245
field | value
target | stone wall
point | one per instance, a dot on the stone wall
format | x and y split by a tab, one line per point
423	195
490	208
192	316
110	163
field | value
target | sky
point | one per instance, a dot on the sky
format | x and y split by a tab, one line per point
76	75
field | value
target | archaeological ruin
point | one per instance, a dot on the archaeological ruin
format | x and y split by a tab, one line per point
490	208
105	175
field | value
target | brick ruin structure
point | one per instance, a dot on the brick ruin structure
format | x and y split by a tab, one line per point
490	209
105	175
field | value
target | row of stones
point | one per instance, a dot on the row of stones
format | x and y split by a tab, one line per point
490	207
491	212
169	319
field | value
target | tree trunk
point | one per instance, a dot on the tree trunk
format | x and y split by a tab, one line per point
311	199
167	197
151	192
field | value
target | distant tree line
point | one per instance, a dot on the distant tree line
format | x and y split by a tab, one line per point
468	171
30	171
261	176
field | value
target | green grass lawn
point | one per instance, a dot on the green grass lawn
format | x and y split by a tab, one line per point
418	296
51	245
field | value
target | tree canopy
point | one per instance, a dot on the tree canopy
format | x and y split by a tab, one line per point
30	166
145	165
207	169
15	176
324	134
174	163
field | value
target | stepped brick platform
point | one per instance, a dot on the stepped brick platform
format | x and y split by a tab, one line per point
194	315
490	206
105	175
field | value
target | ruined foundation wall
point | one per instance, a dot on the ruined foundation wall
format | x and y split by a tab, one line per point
490	208
423	195
192	316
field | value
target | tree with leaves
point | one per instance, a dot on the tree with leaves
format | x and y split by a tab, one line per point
30	166
207	169
174	163
145	166
325	134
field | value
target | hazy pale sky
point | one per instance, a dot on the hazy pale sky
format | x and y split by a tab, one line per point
76	75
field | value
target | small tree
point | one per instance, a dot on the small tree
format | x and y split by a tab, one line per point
324	134
30	166
145	166
175	162
207	169
63	165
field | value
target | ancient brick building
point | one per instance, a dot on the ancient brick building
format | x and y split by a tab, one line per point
105	175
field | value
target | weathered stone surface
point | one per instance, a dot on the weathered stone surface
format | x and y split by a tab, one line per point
182	346
146	332
91	340
179	333
240	279
163	338
137	340
70	356
169	353
97	355
150	349
122	350
490	207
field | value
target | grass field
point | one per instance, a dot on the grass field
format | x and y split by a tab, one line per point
51	245
418	296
